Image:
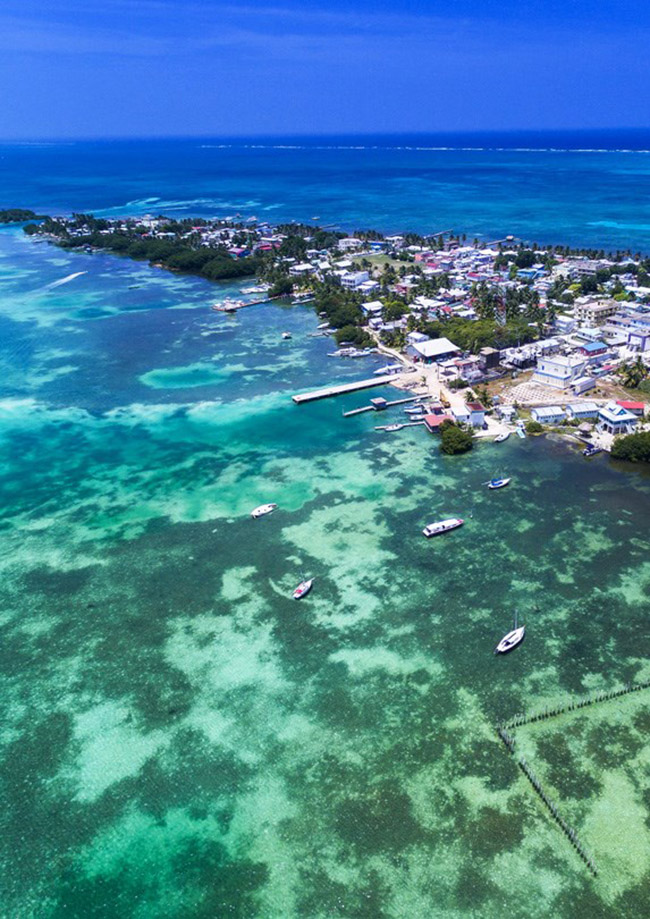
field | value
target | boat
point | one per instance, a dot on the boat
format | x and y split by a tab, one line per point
498	483
256	289
511	640
263	510
286	335
323	325
303	589
591	450
393	427
442	526
389	368
414	410
499	439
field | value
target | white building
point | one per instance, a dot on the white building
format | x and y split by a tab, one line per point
548	414
559	371
580	411
434	349
354	279
614	419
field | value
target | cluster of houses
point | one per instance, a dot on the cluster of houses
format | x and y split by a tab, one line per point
620	417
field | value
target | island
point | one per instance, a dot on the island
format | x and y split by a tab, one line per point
499	337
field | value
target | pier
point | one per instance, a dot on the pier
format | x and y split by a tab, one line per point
330	391
233	307
373	408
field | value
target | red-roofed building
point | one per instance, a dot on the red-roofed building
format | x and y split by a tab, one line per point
433	422
636	408
476	414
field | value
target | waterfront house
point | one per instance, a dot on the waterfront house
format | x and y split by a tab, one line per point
506	412
434	349
614	419
548	414
637	408
559	371
579	411
476	414
433	422
414	338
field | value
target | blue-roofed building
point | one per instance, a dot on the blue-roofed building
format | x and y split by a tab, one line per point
593	348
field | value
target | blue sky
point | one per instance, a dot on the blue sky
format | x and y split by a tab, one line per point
83	68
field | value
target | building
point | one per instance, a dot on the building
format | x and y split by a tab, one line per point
636	408
488	358
414	338
434	349
433	422
476	414
354	279
593	349
564	324
638	340
594	312
614	419
559	371
548	414
372	308
579	411
506	412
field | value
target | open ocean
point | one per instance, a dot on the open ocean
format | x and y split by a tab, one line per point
179	739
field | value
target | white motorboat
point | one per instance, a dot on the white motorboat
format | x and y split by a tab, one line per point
393	427
263	510
303	589
442	526
415	410
498	483
286	335
499	439
511	640
229	305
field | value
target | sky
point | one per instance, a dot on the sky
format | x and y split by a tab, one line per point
138	68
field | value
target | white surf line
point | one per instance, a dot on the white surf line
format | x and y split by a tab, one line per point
66	280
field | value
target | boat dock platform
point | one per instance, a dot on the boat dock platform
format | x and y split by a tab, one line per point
373	408
233	307
329	391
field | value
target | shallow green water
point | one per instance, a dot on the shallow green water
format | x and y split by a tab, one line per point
179	738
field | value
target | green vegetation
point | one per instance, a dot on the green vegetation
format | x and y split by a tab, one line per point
178	251
634	447
633	373
534	427
17	215
454	439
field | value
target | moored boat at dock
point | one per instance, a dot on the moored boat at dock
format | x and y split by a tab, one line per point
591	450
500	438
442	526
229	305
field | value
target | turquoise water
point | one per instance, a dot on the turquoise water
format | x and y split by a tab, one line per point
576	188
179	738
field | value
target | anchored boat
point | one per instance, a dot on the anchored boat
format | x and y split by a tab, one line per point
303	589
511	640
442	526
263	510
498	483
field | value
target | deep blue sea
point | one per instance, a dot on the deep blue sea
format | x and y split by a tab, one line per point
179	738
579	188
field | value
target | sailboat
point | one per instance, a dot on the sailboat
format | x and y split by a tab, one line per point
512	639
303	589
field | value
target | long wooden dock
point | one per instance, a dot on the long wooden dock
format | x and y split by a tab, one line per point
329	391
